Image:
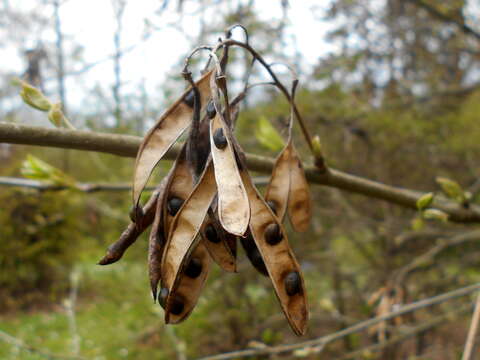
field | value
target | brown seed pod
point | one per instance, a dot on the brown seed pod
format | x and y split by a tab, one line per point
156	241
182	238
179	186
190	284
279	258
300	200
278	188
233	205
162	136
116	250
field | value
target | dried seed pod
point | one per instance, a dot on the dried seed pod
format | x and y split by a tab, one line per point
156	242
233	205
116	250
162	297
278	188
186	292
299	200
162	136
211	234
279	259
179	186
182	238
253	253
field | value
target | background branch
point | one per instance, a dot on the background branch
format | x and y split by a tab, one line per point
126	145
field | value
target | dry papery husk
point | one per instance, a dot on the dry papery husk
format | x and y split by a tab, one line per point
179	186
233	204
164	134
279	259
182	238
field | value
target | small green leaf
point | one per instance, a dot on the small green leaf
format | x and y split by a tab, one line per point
435	214
417	224
267	135
424	201
34	97
452	189
36	169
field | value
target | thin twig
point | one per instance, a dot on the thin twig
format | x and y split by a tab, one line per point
126	145
350	330
470	344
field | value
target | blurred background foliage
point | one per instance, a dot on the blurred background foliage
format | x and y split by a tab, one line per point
397	102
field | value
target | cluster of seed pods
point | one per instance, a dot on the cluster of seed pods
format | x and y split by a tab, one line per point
208	201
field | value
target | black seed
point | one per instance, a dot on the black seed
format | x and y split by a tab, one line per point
273	206
293	283
211	111
135	215
211	234
189	99
219	139
174	204
162	296
194	268
177	307
273	234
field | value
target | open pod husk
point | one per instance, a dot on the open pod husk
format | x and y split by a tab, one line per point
233	205
188	289
279	259
299	200
164	134
182	238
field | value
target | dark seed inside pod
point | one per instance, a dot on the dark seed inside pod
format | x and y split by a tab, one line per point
273	234
174	204
273	206
177	307
211	234
257	261
136	212
162	297
189	99
292	283
194	268
211	111
219	139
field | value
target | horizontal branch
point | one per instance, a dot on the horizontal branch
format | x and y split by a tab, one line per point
324	340
126	145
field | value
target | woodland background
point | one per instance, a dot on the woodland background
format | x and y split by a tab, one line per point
398	102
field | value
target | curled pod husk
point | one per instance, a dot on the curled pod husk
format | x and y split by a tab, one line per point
116	250
278	189
164	134
156	241
299	200
271	240
253	254
233	205
182	238
190	284
179	186
218	243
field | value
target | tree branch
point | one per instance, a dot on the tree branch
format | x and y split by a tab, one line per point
445	18
126	145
